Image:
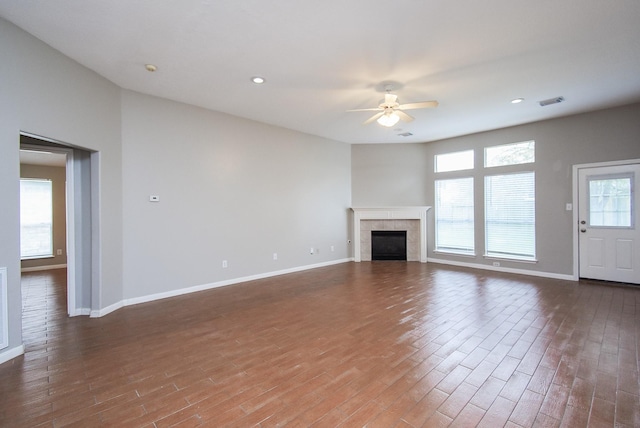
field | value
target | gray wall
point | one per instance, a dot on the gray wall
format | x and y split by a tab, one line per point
230	189
57	175
403	175
45	93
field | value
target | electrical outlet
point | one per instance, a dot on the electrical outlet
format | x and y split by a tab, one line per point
332	249
496	264
311	250
58	252
275	256
224	264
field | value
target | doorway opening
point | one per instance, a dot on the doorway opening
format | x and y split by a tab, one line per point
75	250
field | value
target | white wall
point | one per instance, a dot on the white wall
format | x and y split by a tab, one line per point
403	175
230	189
47	94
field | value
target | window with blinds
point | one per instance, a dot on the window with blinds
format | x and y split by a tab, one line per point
510	223
36	218
509	201
454	215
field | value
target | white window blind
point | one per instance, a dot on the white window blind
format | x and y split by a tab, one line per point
454	215
510	216
36	218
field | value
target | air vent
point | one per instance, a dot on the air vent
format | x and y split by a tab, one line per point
550	101
405	134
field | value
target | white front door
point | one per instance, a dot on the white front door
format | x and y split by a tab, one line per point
609	223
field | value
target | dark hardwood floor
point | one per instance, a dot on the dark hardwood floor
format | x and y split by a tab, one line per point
376	344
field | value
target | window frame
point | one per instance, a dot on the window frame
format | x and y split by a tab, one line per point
49	253
631	177
507	255
485	157
442	155
507	163
447	249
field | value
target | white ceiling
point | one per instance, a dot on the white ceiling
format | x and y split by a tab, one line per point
323	57
42	158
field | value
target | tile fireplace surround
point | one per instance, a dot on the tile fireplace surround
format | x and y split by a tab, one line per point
411	219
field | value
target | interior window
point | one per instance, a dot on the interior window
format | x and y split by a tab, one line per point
36	218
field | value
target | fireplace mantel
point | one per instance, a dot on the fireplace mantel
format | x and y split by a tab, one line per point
390	213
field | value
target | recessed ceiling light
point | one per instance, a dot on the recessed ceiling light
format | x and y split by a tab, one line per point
517	100
258	80
150	67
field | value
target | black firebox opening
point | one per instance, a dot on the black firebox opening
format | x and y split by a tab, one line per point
388	245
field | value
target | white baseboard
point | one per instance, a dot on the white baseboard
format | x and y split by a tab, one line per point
40	268
173	293
104	311
504	269
80	311
11	354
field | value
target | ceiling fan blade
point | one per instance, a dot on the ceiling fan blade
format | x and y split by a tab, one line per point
403	116
366	109
390	99
373	118
423	104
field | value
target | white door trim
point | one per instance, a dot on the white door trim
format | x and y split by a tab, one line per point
576	220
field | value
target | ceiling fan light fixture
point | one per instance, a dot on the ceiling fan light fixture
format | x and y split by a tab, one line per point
388	119
389	111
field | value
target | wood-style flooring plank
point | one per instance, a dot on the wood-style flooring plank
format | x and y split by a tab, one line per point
377	344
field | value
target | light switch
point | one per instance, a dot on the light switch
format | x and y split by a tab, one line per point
569	207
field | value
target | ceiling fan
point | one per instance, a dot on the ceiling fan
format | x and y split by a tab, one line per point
390	112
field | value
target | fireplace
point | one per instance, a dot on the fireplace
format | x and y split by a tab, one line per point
388	245
412	220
